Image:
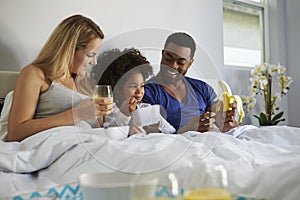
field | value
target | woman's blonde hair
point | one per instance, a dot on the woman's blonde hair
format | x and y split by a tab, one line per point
73	33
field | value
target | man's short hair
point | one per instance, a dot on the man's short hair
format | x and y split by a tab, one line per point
182	39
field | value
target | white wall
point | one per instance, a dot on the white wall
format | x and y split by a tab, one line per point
25	26
284	48
293	58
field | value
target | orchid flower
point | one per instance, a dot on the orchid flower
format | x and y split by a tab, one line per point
261	82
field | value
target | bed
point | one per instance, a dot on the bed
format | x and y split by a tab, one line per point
260	163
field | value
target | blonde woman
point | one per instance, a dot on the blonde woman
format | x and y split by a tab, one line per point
45	95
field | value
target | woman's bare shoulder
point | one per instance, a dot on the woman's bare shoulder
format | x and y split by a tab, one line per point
32	76
32	72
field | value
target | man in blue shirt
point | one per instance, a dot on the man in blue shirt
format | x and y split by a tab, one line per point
187	104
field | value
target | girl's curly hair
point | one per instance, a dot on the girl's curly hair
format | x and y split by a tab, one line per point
115	66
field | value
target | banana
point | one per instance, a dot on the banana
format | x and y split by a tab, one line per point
239	108
226	98
225	87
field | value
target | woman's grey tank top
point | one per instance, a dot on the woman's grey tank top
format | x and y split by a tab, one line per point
56	99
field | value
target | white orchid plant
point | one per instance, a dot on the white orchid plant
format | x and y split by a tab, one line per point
264	80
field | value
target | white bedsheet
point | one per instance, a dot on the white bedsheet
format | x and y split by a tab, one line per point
261	162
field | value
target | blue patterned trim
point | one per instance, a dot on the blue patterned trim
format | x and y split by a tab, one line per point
73	192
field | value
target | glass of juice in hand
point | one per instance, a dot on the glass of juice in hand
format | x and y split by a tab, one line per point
104	95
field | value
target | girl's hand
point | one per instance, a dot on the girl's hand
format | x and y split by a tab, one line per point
153	128
132	104
129	106
135	130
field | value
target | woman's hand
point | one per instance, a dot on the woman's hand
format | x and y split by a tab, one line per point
103	107
90	109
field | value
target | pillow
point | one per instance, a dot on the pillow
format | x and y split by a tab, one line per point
1	104
4	116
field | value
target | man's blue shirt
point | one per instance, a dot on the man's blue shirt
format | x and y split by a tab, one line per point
199	97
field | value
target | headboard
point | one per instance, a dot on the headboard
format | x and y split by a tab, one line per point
7	82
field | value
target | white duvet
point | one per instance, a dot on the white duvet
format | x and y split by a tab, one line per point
260	162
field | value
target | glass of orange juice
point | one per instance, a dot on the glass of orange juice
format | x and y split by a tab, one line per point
104	95
208	183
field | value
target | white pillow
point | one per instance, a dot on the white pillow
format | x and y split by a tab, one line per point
4	116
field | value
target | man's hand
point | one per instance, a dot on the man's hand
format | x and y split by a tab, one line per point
202	123
226	120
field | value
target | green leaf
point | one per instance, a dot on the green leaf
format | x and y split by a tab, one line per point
276	122
277	117
263	119
256	116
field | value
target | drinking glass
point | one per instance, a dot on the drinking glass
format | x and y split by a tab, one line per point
207	182
104	93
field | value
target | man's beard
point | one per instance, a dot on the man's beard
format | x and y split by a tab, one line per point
170	75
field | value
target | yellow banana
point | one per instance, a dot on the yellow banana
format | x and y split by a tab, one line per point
239	108
227	98
225	87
